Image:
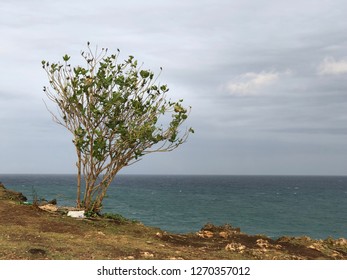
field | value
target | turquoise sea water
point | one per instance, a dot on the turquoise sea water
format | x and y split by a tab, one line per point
273	205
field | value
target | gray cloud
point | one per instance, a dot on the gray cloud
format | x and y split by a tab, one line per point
330	66
266	80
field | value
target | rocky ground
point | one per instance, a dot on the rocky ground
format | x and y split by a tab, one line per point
31	232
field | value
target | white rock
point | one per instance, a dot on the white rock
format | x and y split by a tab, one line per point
147	255
235	247
76	214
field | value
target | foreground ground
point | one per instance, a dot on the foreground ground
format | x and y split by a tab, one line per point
28	232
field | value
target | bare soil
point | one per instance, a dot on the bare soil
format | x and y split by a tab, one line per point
28	232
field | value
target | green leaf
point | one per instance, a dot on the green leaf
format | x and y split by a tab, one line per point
66	57
144	74
178	108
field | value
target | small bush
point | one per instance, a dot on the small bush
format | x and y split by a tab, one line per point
116	217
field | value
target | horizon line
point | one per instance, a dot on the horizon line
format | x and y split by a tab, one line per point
193	174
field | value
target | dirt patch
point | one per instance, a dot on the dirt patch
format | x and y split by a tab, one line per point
59	227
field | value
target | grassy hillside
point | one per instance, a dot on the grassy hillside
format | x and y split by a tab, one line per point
28	232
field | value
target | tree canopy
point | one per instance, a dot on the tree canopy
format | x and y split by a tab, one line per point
117	112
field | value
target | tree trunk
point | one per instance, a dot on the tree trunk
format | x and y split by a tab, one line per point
78	200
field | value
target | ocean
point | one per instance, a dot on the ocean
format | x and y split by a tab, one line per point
315	206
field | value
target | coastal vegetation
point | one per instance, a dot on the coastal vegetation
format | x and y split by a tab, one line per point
117	112
29	232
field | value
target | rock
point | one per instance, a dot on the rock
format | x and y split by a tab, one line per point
224	228
208	234
76	214
40	202
209	227
235	247
316	246
12	195
224	231
306	238
159	234
101	233
49	207
205	234
224	234
53	201
336	255
147	255
263	243
43	202
285	239
340	242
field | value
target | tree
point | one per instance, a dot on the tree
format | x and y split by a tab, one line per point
116	112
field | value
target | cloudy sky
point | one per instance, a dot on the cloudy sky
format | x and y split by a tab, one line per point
266	79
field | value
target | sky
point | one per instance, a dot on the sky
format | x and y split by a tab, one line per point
266	79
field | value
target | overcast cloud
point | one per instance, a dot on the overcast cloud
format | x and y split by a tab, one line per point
266	79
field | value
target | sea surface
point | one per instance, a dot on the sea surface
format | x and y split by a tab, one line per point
272	205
